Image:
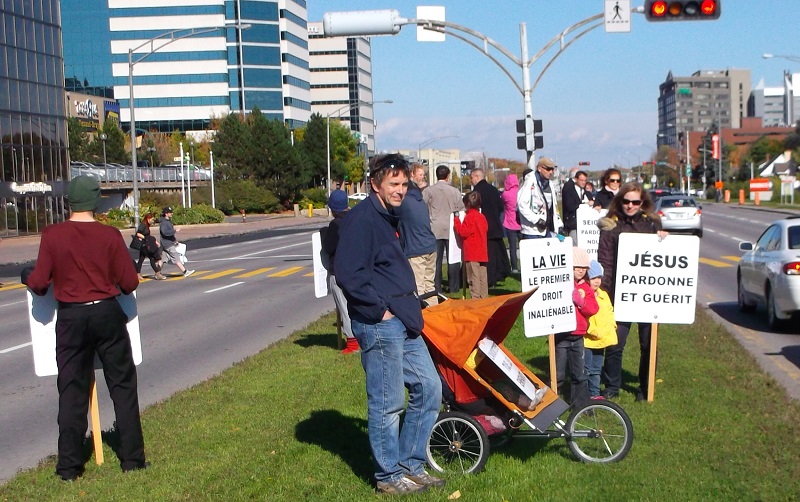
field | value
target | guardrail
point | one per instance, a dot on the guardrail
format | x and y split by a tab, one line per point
109	174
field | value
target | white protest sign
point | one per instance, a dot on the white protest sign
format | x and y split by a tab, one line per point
656	281
42	317
320	272
454	256
588	232
546	264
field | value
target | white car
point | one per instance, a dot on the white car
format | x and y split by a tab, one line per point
357	196
769	273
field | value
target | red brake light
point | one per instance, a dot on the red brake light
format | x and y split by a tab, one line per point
660	212
658	9
792	268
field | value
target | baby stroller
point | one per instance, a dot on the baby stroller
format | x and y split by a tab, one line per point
465	338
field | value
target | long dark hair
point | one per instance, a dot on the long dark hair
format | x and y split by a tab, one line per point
615	209
607	174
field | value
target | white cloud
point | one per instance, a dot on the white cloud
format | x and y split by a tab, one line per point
602	139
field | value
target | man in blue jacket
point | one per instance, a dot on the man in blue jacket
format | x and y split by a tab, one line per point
386	318
416	236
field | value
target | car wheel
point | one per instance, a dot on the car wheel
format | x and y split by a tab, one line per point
741	298
774	322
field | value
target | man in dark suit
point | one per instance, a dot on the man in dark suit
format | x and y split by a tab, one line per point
498	267
573	194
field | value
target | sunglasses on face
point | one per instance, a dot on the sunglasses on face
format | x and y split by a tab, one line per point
548	168
614	180
626	202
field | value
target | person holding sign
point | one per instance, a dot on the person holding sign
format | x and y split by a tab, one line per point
631	210
474	232
87	275
569	346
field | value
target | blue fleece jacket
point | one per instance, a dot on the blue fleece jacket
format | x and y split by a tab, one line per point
372	269
416	236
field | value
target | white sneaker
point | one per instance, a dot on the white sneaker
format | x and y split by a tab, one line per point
187	273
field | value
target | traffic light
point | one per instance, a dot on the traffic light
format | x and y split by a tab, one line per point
682	10
528	141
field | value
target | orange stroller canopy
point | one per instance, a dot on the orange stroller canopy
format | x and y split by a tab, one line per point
456	326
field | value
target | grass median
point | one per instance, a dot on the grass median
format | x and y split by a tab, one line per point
290	424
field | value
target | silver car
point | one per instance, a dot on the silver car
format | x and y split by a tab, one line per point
680	213
769	273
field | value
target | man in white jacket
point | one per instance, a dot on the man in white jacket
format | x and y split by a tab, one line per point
536	203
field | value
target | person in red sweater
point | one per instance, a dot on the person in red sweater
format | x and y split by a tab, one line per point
569	346
474	235
88	266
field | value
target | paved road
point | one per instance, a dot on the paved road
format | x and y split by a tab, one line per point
249	291
725	226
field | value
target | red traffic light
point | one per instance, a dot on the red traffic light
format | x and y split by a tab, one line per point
681	10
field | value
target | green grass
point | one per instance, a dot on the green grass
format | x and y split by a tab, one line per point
290	424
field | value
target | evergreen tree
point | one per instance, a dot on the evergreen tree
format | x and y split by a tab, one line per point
77	138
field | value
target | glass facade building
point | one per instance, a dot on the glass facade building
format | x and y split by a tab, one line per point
183	84
33	137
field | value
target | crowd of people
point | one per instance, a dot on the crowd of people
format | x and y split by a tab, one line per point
390	251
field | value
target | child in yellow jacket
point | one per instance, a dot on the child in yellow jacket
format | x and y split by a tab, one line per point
602	331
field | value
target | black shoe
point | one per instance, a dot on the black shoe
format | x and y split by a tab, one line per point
611	395
641	397
72	476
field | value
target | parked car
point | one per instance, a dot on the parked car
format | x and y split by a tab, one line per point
769	273
680	213
357	196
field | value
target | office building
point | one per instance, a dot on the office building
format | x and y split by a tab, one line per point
341	82
777	106
697	102
194	62
33	118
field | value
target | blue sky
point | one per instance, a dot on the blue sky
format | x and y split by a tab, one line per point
598	101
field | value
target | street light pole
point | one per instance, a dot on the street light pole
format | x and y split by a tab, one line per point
389	22
164	39
426	143
336	113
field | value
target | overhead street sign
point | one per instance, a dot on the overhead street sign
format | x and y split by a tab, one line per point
618	16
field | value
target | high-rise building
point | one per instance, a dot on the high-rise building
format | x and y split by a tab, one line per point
33	118
341	81
193	60
777	106
697	102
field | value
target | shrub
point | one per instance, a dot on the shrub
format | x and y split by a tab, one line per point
197	214
315	196
234	195
119	218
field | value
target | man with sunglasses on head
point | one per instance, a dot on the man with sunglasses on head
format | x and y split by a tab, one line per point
536	203
385	313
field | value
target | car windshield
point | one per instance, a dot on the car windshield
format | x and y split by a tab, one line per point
677	203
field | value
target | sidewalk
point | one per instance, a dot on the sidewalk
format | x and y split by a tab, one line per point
17	251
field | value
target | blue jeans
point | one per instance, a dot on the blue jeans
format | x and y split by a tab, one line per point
394	361
594	366
570	351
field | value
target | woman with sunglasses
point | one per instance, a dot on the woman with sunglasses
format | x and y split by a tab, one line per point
611	181
631	210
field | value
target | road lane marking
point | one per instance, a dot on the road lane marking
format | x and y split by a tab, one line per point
310	274
182	277
288	271
714	263
224	287
734	259
13	303
12	286
253	273
223	273
273	249
17	347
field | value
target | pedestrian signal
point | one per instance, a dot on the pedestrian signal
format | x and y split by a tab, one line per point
681	10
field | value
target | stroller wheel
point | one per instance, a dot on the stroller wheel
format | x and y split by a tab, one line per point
458	443
599	431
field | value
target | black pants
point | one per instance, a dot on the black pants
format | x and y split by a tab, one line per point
570	352
453	271
153	261
612	366
498	267
82	331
